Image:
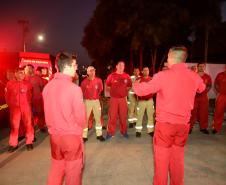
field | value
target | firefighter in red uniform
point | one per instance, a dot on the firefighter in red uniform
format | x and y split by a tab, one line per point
201	105
173	110
39	73
10	75
119	84
18	97
65	119
92	86
37	101
220	104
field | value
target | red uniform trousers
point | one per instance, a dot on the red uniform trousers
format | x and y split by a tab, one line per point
21	130
16	114
67	160
169	141
220	106
200	112
117	106
38	112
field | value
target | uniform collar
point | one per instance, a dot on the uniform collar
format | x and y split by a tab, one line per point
62	76
178	66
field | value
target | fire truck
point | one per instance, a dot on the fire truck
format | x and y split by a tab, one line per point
9	61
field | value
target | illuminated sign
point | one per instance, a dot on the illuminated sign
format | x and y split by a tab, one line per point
35	61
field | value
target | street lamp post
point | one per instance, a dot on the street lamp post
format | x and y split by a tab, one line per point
25	29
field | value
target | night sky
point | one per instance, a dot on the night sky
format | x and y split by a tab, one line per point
62	22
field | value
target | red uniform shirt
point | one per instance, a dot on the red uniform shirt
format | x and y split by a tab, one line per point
220	81
44	81
176	89
207	80
149	96
18	93
92	88
37	85
119	84
64	107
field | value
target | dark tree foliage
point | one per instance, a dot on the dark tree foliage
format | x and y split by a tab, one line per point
140	32
205	19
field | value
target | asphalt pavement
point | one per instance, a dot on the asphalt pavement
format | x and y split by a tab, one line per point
119	161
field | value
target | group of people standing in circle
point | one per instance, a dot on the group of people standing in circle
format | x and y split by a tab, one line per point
181	99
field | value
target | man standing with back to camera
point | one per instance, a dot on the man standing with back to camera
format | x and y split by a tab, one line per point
173	111
65	119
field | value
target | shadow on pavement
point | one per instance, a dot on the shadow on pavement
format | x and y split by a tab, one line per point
6	157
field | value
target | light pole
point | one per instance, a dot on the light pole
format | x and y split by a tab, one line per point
25	30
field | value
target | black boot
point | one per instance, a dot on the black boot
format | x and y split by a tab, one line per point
214	131
138	134
12	148
204	131
151	134
101	138
130	125
29	147
85	139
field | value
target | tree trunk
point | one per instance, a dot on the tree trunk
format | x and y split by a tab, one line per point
206	45
141	58
153	59
162	63
131	61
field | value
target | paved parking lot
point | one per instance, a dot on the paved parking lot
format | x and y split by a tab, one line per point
119	161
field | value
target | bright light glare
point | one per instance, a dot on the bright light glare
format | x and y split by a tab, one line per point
40	38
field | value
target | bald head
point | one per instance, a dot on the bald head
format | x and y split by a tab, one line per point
177	55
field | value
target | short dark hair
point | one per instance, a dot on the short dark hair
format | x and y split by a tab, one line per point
136	68
121	61
182	49
199	63
39	68
179	48
64	59
30	65
18	69
146	67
